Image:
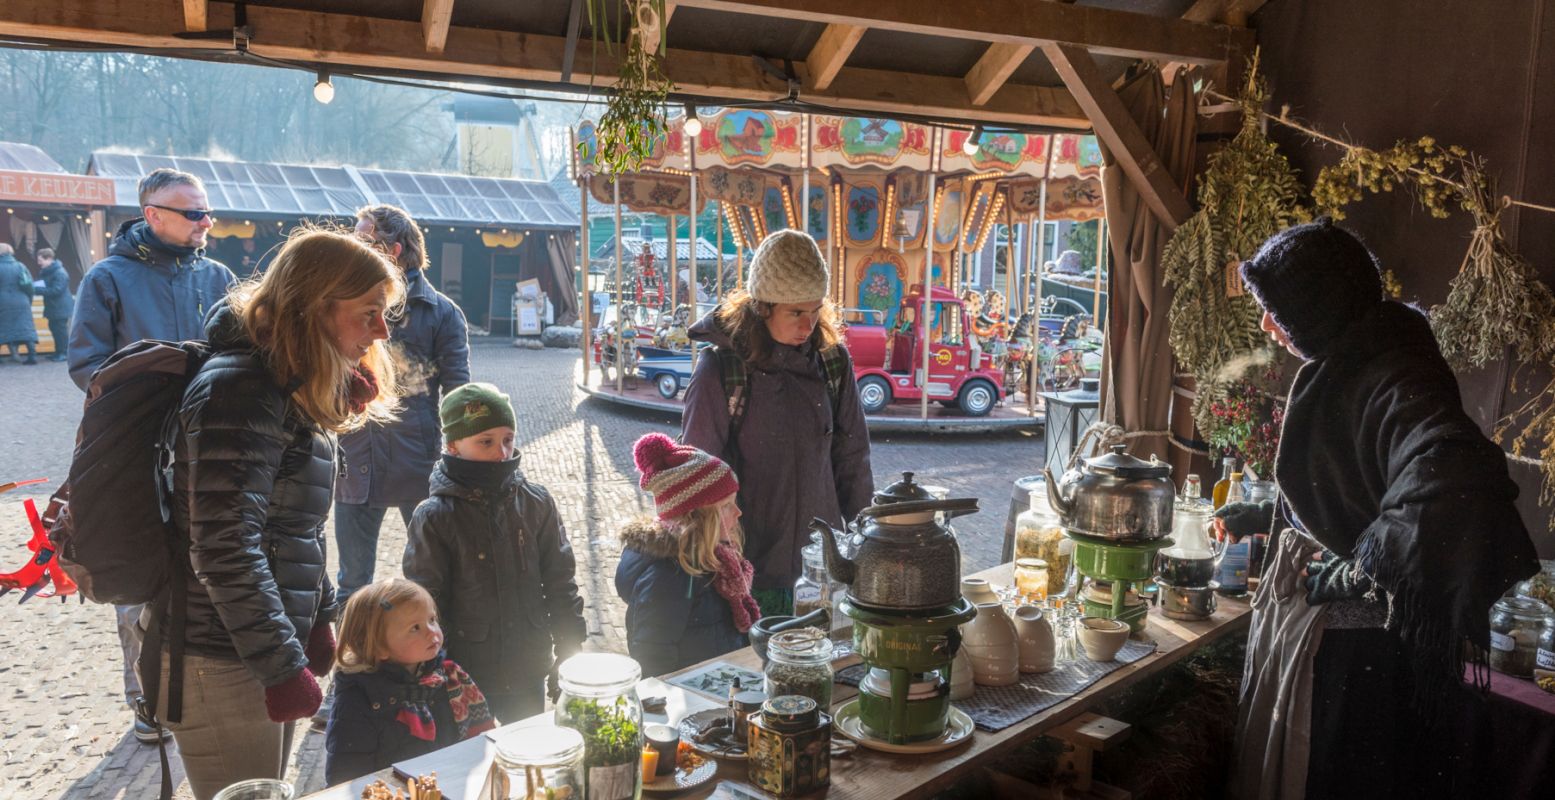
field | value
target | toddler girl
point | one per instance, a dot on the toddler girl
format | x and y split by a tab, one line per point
397	695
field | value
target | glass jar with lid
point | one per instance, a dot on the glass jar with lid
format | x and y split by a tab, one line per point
799	662
1541	586
541	762
1039	533
599	700
1516	626
815	589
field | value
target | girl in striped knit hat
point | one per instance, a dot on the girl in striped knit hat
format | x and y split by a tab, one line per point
683	573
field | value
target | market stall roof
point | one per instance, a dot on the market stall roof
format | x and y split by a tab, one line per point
955	62
299	190
27	158
464	198
243	187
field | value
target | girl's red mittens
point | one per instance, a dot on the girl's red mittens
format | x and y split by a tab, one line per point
295	699
320	649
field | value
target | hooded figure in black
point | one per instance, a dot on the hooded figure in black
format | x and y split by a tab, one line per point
1412	513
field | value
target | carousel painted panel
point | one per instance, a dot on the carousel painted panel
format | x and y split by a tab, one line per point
856	142
750	137
1004	152
648	192
947	216
1076	155
862	212
744	187
879	278
819	217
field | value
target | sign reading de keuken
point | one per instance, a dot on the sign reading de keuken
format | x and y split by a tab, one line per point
52	189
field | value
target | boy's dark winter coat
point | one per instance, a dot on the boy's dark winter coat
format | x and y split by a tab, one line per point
498	563
673	620
364	735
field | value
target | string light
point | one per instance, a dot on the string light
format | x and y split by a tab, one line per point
693	126
788	207
886	213
970	146
323	90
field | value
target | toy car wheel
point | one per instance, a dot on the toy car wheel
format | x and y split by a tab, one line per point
668	385
977	398
874	393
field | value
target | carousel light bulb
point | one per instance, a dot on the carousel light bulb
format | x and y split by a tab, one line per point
323	90
970	145
693	125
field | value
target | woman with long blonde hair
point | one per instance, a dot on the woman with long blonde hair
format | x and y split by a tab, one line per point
683	573
296	358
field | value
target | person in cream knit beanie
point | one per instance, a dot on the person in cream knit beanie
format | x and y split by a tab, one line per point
788	268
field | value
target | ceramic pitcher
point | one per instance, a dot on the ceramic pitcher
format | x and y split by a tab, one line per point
1036	640
991	642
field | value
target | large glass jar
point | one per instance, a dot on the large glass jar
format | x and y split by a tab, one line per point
599	700
799	662
1039	533
1516	624
1544	657
815	588
541	762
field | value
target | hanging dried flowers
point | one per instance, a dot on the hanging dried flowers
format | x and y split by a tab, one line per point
1248	194
634	121
1422	167
1496	301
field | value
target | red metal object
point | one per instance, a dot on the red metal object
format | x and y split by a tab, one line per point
893	357
42	568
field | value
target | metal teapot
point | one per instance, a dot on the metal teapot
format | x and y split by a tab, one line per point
905	559
1116	497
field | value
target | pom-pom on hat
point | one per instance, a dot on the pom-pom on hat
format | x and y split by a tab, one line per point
473	408
788	268
1314	279
681	478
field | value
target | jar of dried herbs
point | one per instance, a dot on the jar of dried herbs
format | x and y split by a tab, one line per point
799	662
599	700
1516	624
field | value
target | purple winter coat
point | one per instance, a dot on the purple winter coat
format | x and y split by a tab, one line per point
795	461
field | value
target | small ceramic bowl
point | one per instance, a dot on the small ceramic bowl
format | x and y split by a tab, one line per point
1102	638
978	590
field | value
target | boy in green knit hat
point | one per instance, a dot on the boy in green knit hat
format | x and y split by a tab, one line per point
490	548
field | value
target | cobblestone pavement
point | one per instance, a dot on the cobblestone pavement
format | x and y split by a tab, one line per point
66	724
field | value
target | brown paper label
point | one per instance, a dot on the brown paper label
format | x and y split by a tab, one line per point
1234	287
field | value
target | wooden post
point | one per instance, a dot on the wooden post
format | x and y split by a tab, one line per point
691	235
718	217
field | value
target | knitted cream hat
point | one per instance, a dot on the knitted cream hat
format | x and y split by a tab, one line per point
788	268
680	477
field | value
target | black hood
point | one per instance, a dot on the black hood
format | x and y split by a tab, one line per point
224	329
134	240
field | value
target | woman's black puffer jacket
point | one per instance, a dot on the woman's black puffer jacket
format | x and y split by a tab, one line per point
253	483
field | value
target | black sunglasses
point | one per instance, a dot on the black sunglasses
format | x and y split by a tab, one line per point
191	214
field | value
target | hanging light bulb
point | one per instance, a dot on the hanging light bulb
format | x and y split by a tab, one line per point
323	90
693	125
970	145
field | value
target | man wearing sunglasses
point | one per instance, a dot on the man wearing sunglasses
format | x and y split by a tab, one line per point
156	283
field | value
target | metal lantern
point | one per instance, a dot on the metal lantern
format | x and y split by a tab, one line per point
1069	414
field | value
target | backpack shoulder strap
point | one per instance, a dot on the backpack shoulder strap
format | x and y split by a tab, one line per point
834	362
736	377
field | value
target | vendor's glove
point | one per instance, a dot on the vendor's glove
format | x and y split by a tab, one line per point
1334	579
297	698
320	649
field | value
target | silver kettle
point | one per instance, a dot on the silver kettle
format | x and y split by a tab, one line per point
1116	497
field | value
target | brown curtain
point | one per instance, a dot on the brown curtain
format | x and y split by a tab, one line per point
1139	365
562	253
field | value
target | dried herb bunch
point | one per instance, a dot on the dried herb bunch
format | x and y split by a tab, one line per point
634	122
1422	166
1248	194
1536	440
1496	301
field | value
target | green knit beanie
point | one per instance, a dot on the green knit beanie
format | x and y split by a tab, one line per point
472	408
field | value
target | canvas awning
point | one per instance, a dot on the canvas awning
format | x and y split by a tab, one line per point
29	175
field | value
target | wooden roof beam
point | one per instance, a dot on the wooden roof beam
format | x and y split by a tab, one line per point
830	52
194	15
1224	12
1117	129
994	68
1100	30
371	43
436	15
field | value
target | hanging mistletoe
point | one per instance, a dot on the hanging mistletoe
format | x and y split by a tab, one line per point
1248	194
634	121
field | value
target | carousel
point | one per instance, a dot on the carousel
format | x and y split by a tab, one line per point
913	219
